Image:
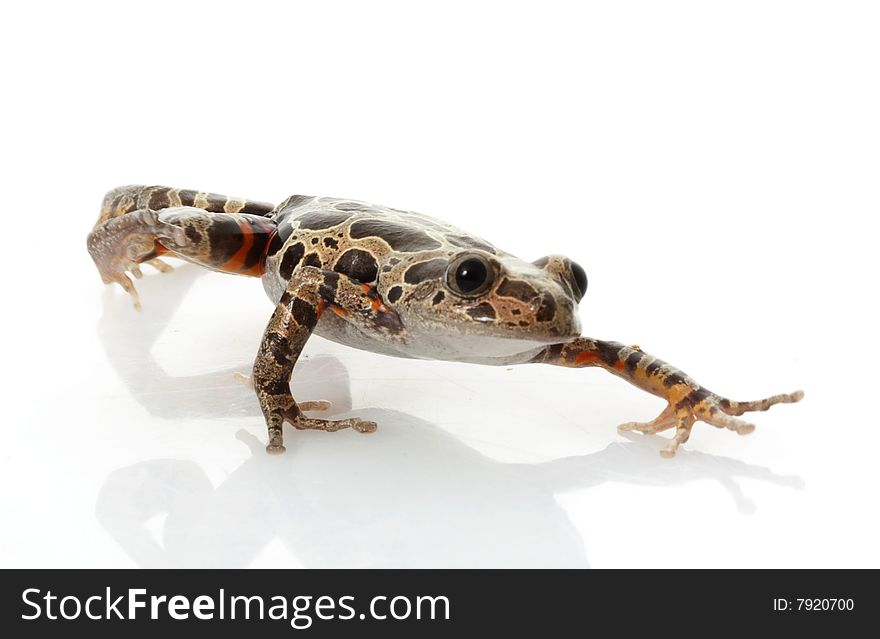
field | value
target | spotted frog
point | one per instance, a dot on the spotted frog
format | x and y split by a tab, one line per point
392	282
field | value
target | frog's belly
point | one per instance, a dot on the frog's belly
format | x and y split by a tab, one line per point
458	348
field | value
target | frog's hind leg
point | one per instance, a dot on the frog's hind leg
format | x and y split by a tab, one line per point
309	292
317	404
139	224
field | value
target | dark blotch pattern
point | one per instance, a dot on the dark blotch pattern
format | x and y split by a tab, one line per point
547	311
193	235
329	242
482	311
398	236
516	289
312	259
673	380
632	361
358	264
319	220
329	286
331	281
279	238
394	294
607	352
226	240
291	259
303	312
159	200
421	271
187	197
439	297
278	348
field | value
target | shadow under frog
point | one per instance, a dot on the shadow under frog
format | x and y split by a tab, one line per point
409	495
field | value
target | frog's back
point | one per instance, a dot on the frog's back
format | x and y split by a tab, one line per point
372	244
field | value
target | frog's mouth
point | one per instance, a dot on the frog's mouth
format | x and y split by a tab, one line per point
548	320
489	339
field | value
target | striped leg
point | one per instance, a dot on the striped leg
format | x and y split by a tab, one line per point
688	402
140	223
310	291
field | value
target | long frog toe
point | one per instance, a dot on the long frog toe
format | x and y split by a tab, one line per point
678	416
318	404
333	425
159	265
663	421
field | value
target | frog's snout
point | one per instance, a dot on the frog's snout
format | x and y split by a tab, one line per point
571	321
558	314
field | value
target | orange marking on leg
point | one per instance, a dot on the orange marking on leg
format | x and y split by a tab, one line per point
235	263
619	364
259	230
586	357
340	312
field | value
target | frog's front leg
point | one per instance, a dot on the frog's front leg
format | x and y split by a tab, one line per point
309	293
688	402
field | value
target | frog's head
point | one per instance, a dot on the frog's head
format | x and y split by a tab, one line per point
494	304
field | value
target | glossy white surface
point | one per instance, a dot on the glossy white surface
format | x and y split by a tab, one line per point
714	172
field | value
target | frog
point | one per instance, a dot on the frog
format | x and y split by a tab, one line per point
392	282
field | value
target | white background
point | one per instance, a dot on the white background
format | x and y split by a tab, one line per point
713	166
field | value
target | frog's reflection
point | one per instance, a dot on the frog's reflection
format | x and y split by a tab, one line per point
408	495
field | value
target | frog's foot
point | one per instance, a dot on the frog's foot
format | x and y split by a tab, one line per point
299	421
120	244
698	404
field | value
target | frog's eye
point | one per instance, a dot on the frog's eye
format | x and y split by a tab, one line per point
579	275
470	275
572	274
